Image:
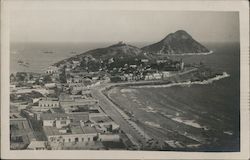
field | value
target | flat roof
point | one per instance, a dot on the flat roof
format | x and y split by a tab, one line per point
89	130
37	144
100	119
50	131
76	130
52	116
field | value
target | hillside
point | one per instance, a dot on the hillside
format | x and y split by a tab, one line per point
119	50
116	51
179	42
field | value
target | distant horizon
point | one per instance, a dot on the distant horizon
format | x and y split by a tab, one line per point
34	23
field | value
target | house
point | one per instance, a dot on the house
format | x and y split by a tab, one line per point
31	81
149	77
161	61
157	76
51	70
144	60
12	87
133	66
76	63
165	74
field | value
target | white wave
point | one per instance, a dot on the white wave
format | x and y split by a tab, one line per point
187	122
152	124
188	83
127	90
228	132
149	109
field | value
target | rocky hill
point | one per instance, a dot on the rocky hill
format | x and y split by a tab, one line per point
119	50
179	42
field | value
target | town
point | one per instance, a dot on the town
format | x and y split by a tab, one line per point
60	108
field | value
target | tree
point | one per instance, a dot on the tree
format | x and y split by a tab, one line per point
62	76
47	79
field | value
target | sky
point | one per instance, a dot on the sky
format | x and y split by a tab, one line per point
40	24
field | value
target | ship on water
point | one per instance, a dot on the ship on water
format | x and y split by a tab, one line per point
48	52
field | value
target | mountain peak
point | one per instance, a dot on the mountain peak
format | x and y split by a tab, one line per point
180	34
179	42
119	44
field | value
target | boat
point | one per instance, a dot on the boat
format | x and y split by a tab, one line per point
20	62
48	52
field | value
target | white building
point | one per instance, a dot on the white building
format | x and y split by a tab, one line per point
50	85
49	103
109	137
144	60
51	70
166	74
58	120
78	134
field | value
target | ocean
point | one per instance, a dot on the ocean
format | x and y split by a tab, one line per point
198	117
38	61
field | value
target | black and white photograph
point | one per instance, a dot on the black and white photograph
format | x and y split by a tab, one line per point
123	80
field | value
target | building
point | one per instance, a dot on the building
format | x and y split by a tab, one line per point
74	135
62	120
51	70
48	102
21	133
153	76
144	60
104	124
161	61
23	90
58	120
109	137
68	103
166	74
50	85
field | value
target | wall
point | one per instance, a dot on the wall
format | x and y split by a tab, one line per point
109	137
48	122
71	137
59	123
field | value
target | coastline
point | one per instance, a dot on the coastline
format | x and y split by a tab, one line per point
187	83
193	54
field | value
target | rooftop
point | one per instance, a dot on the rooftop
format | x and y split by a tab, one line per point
53	116
36	144
49	131
101	119
89	130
